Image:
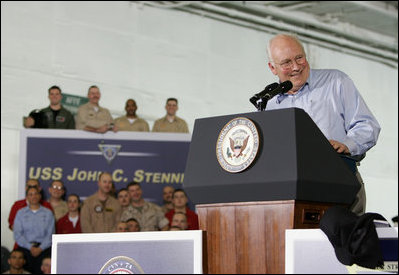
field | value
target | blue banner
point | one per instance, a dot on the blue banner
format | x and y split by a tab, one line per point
77	158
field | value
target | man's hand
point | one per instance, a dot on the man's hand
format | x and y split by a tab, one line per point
115	128
339	147
35	251
103	129
29	122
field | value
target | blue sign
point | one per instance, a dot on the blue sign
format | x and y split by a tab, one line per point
77	158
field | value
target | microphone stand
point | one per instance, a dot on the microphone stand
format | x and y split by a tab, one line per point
261	104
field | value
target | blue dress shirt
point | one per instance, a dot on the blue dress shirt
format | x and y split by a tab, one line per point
32	226
333	102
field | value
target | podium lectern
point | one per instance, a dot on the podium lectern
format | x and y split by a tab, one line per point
294	178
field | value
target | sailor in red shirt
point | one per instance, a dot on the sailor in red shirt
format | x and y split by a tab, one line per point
70	222
180	205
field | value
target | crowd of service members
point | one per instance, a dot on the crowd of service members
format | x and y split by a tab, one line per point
94	118
34	219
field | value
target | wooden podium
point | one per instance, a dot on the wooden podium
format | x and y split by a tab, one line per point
296	176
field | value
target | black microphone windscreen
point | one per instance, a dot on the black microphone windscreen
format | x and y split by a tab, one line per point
271	87
286	86
267	89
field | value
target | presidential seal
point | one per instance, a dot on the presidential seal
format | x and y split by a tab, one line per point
237	145
121	265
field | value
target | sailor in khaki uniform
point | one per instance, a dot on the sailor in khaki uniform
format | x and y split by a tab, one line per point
170	122
131	122
91	117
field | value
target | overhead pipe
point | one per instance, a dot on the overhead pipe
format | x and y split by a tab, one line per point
349	31
267	25
389	62
352	32
297	29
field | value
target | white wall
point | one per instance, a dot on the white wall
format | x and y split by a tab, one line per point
151	54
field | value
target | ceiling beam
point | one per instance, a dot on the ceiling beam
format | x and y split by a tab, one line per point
380	7
297	18
340	37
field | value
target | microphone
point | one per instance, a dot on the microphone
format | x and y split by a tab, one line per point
269	88
282	88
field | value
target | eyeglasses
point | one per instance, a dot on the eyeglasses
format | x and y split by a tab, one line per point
300	60
57	187
33	186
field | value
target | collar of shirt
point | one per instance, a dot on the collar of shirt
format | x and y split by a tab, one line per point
309	83
34	211
166	119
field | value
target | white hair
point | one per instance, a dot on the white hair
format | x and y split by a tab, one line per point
286	35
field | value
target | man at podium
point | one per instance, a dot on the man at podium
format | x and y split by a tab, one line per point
331	100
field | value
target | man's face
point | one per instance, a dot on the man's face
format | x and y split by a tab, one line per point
16	260
285	50
33	196
122	227
135	193
46	266
167	194
94	96
171	107
133	226
123	198
179	220
179	199
54	96
105	183
56	189
131	108
72	203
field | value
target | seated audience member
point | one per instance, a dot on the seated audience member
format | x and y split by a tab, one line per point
131	122
16	263
148	214
46	265
180	205
22	203
55	116
70	222
33	229
91	117
100	212
179	220
57	191
133	225
121	227
170	122
123	198
167	194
